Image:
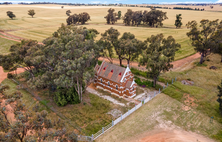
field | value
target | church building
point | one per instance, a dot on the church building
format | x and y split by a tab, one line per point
115	79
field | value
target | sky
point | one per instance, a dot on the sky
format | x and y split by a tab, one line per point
119	1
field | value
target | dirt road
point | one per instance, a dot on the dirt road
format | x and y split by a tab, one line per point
176	135
176	64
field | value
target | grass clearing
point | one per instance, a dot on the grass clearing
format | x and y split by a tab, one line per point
162	111
5	45
49	18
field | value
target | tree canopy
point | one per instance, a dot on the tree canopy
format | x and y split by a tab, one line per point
10	14
178	22
31	12
66	59
127	47
111	17
152	18
158	55
203	36
78	18
68	12
25	125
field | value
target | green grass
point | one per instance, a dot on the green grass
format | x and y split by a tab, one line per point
5	45
169	113
204	88
92	116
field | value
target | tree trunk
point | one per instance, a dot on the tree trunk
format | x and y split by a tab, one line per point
221	59
120	61
154	81
202	57
128	62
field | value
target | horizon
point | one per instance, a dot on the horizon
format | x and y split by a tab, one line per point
160	2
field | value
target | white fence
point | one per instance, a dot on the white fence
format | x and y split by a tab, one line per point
104	129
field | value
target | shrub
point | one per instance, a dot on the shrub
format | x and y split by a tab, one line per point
10	75
138	72
64	96
99	62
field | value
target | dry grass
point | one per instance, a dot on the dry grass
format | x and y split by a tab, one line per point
162	111
49	17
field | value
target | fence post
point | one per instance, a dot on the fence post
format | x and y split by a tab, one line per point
175	79
172	81
103	129
159	90
112	123
92	137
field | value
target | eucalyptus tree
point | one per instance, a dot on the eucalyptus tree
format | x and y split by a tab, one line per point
131	46
31	12
112	17
10	14
203	36
158	55
178	22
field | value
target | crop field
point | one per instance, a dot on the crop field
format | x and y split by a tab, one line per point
162	112
49	17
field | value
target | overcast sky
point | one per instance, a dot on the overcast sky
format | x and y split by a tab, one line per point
119	1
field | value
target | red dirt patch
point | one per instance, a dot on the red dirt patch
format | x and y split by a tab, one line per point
189	102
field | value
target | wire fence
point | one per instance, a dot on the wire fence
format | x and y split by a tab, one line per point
114	122
106	128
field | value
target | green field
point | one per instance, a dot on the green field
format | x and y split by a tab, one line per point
49	17
5	44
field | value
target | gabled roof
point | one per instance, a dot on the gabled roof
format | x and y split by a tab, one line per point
105	71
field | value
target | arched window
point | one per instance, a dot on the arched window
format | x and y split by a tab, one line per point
101	80
108	83
116	87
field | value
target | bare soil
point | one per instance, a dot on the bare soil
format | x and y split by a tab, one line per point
169	135
3	75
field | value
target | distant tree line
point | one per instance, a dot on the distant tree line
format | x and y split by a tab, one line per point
77	18
188	8
152	18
